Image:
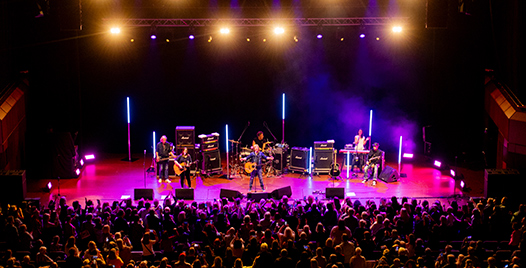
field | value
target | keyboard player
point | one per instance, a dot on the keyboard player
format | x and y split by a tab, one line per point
359	145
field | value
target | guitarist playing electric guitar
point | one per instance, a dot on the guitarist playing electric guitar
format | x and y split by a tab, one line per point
254	164
183	163
373	161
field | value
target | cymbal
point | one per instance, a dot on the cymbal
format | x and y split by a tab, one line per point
233	141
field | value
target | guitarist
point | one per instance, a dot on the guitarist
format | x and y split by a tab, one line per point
373	161
255	157
183	161
162	153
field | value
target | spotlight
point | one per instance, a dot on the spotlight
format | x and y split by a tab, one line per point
115	30
464	187
153	36
462	184
77	171
210	39
453	173
48	187
377	38
437	164
362	36
341	39
264	40
132	40
296	39
248	39
397	29
89	157
167	40
319	36
191	37
279	30
81	162
224	31
407	155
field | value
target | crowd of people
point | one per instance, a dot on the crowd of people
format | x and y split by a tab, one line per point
225	233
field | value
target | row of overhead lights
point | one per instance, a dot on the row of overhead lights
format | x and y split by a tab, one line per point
277	31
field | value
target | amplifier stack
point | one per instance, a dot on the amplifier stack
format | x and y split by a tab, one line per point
323	156
299	159
209	145
184	138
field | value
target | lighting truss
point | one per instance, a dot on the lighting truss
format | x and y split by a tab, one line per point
256	22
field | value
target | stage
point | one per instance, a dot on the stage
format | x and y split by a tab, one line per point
109	178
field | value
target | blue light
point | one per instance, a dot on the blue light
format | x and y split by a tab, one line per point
191	37
154	147
348	163
128	108
370	123
226	128
400	152
283	107
310	160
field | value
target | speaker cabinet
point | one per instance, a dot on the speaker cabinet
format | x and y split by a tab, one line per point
258	196
184	136
335	192
298	159
389	174
185	194
503	182
322	161
436	14
211	162
13	188
230	194
279	193
147	194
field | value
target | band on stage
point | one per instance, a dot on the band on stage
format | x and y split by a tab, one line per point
256	160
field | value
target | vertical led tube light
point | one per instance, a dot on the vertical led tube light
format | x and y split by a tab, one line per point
283	119
227	158
310	160
153	144
370	127
128	113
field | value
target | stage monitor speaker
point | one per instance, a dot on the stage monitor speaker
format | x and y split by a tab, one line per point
389	174
436	13
335	192
14	189
502	182
184	136
230	194
323	159
299	158
147	194
211	161
279	193
258	196
185	194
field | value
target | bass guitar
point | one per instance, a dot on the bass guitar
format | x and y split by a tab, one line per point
184	166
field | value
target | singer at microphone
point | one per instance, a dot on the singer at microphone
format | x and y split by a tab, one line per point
162	154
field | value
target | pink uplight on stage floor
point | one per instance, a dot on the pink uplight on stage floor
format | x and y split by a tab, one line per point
437	164
407	155
89	157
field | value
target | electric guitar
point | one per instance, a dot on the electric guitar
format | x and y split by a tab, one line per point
184	166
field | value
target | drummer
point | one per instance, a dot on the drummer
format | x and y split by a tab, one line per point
260	140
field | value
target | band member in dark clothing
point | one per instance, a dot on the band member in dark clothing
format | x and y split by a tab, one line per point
184	161
255	157
374	159
260	140
162	154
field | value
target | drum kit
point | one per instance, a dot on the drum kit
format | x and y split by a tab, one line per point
269	149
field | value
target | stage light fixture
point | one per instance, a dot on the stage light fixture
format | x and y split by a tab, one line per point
397	29
377	38
407	155
89	157
464	187
81	162
167	40
153	36
48	187
264	40
437	164
132	40
115	30
210	39
279	30
224	31
319	36
362	35
77	171
191	37
341	39
248	39
296	39
452	173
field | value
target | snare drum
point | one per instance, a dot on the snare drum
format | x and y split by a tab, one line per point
245	151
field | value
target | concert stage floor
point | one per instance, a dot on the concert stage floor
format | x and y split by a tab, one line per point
109	178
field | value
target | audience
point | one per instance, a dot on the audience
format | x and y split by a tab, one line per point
287	233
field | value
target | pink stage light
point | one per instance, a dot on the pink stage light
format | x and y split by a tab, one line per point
89	156
49	185
462	184
319	36
452	172
407	155
77	171
438	164
81	162
362	36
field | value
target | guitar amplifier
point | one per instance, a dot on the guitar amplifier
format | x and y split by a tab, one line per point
214	137
205	147
211	162
299	159
322	161
324	145
184	136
